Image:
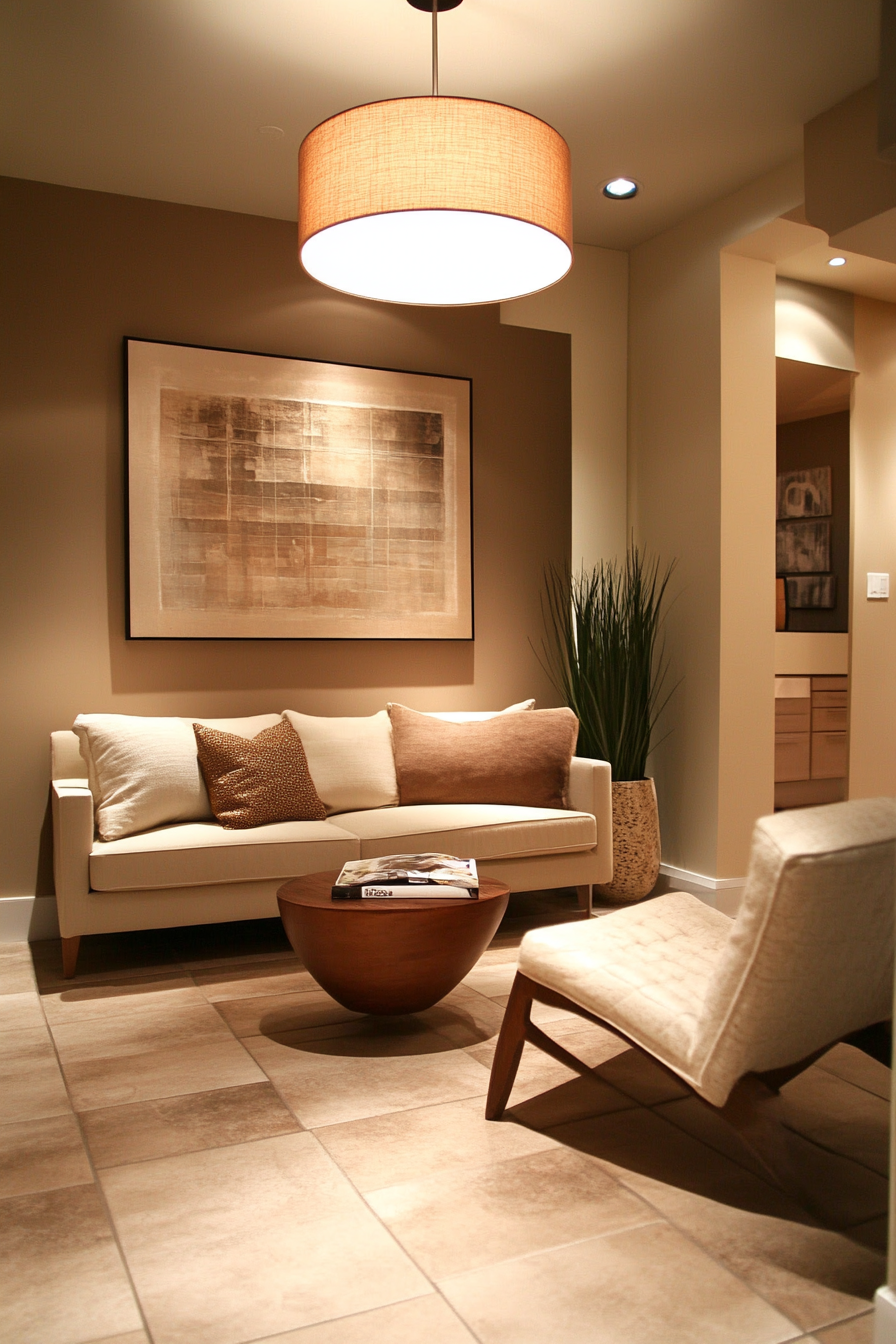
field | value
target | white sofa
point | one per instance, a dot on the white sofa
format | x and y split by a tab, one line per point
197	872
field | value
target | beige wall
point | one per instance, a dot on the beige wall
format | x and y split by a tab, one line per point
872	756
747	582
592	305
91	268
681	486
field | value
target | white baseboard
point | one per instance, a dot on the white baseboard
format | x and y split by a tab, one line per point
884	1316
27	919
722	893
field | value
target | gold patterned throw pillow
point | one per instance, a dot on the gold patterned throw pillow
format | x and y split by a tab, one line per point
253	781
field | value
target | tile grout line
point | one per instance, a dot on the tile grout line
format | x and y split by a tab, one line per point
688	1236
101	1194
819	1064
404	1250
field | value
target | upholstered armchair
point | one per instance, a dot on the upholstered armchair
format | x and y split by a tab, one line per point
733	1008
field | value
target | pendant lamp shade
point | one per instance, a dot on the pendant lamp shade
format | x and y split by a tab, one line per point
435	201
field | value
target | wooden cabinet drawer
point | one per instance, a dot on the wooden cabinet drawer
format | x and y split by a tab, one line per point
791	756
829	755
829	699
830	683
829	720
793	723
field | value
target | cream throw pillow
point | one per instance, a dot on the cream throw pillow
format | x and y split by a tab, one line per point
144	772
350	760
478	715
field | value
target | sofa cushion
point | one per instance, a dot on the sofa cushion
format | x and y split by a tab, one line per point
471	830
259	780
202	853
144	771
350	759
517	759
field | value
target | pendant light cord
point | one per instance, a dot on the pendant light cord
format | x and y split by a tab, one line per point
435	48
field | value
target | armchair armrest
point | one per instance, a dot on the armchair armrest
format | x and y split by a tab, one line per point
590	791
72	804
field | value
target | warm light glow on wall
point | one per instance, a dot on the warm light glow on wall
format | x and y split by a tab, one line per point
435	201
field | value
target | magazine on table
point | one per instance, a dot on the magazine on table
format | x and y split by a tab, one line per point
399	876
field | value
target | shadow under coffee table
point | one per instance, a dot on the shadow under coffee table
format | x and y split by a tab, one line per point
388	956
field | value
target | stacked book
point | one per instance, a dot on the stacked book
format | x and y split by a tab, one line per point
400	876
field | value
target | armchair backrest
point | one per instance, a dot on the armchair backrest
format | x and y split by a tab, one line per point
810	957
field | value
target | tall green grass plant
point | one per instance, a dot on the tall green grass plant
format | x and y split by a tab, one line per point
604	652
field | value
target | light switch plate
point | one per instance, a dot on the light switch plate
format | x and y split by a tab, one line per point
878	585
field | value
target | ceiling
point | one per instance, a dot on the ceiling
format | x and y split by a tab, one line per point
165	98
807	390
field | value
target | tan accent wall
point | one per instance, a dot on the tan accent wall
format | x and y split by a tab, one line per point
681	484
872	745
83	269
591	303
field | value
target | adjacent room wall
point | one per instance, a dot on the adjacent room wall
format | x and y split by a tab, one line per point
688	457
823	441
872	728
82	270
592	305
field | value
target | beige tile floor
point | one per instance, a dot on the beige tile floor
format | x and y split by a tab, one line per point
199	1146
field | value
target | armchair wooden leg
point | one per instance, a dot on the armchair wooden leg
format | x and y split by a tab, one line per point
70	955
584	895
509	1049
754	1110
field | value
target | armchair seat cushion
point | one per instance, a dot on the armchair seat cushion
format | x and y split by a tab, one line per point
644	969
204	853
476	830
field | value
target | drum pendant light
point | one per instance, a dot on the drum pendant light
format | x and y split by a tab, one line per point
435	200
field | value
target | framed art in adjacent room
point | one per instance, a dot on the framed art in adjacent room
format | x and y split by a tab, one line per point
279	498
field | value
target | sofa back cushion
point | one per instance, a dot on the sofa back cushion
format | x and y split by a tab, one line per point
144	771
257	781
517	759
350	760
478	715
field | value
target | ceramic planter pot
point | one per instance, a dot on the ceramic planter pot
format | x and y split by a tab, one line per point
636	841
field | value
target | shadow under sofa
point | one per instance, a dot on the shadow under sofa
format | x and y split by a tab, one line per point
200	873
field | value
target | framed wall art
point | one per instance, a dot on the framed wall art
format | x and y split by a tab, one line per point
280	498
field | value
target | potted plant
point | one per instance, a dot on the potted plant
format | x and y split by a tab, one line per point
604	654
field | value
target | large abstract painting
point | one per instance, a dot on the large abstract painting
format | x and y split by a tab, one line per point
275	498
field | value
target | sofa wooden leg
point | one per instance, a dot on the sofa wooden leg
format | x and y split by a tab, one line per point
510	1047
70	955
584	895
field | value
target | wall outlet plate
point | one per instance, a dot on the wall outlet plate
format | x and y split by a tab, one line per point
878	585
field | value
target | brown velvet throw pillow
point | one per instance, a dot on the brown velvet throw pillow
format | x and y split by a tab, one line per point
253	781
518	759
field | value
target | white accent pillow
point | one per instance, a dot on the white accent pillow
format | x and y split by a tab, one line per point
350	760
144	772
478	715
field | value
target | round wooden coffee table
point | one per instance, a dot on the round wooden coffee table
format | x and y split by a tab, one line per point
394	956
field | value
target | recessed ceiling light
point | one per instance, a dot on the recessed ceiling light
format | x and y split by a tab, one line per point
620	189
272	132
837	261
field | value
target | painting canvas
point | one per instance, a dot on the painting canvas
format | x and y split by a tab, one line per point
283	498
812	591
805	494
803	547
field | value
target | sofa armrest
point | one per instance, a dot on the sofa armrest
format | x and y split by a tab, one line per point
590	791
72	842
